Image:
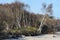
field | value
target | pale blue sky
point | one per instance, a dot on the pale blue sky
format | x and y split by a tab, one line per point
36	5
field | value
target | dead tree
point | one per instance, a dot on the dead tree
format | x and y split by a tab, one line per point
48	12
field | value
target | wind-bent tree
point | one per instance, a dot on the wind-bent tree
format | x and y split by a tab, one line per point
47	11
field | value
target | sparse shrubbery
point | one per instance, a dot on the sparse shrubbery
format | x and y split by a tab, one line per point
22	31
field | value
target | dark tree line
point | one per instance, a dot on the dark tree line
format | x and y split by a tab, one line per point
15	16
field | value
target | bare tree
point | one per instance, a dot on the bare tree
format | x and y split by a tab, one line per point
47	11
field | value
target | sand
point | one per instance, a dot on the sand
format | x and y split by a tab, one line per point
45	37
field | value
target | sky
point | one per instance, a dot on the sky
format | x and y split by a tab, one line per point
36	5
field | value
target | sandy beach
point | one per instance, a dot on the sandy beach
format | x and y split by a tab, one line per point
45	37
